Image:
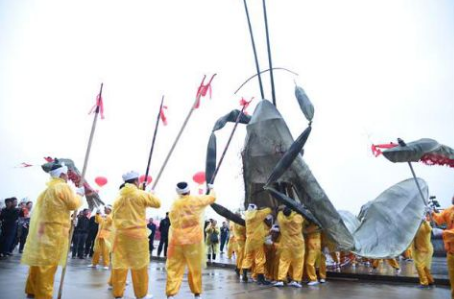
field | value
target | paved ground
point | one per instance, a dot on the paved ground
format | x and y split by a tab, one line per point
218	283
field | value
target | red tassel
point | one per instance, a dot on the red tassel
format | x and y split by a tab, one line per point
163	116
100	104
203	90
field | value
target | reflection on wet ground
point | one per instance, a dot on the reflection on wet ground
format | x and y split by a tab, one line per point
82	282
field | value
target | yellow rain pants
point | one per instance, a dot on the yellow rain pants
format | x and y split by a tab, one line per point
422	250
40	282
313	248
139	281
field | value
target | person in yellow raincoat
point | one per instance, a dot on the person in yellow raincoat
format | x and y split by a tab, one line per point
48	239
291	249
212	240
423	250
255	236
313	252
130	248
231	246
186	244
392	262
239	232
102	245
272	243
447	217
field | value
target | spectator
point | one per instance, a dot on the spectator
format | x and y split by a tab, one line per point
152	227
224	235
164	226
212	240
8	217
80	234
25	224
91	236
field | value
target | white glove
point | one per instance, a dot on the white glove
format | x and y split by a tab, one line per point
437	232
210	186
268	241
80	191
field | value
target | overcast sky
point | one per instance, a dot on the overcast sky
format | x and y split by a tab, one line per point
374	70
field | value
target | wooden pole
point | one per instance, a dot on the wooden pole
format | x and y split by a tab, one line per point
82	181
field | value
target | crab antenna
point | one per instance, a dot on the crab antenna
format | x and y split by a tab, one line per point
273	94
254	49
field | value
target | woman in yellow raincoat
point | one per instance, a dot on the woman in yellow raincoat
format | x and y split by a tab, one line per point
48	239
186	240
130	248
103	246
313	252
239	232
212	240
255	237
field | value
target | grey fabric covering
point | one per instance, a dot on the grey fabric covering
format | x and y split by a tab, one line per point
415	150
350	220
390	222
304	102
92	197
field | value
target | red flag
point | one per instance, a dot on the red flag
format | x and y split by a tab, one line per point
376	148
99	104
163	116
203	89
245	104
24	165
48	159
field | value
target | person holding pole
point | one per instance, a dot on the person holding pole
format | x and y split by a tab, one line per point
186	245
447	217
47	243
131	238
102	246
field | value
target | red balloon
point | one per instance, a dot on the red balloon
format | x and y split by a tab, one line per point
199	177
142	179
100	181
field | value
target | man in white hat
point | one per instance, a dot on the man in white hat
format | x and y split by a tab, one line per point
102	245
186	246
131	237
47	242
255	234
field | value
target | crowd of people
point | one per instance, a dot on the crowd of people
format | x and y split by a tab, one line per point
278	247
14	225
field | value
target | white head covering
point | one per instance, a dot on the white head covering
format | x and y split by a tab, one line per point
269	217
182	188
57	172
252	207
108	207
130	175
275	228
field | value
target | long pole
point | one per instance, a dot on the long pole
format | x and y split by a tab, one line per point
419	188
153	142
227	145
197	99
254	49
273	93
82	181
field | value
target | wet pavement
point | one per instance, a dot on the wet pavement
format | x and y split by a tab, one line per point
82	282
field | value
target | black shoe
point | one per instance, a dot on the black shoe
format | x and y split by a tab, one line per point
262	281
238	272
244	278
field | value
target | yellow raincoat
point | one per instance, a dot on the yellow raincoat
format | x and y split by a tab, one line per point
48	239
103	245
447	217
423	250
239	233
291	249
313	250
130	248
255	236
231	247
186	244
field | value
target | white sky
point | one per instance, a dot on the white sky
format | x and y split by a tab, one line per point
374	70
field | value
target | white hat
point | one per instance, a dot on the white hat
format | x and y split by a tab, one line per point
130	175
57	170
275	228
252	207
182	188
108	207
